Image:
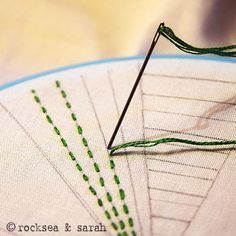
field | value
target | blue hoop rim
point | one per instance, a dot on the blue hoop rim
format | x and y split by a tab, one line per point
110	60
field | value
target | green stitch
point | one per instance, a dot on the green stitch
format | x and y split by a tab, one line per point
112	164
109	197
122	194
79	167
116	178
119	234
68	105
131	222
64	142
80	130
63	93
85	142
90	154
115	211
108	215
125	233
36	98
57	84
73	116
100	203
44	110
96	167
92	190
133	233
122	224
85	177
126	209
32	91
57	130
102	182
49	119
72	156
114	226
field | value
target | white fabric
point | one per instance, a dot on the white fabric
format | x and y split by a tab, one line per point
170	189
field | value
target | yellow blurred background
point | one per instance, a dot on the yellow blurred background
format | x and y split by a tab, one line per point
38	35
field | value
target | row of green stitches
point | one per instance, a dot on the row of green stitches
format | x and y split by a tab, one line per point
85	177
97	169
79	167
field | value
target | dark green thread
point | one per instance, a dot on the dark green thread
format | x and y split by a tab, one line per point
100	203
133	233
58	84
109	197
117	180
78	166
169	34
64	142
107	215
80	130
36	98
115	227
112	164
44	110
122	194
72	156
122	224
84	140
96	167
115	211
90	154
102	182
131	222
57	130
125	209
92	190
151	143
73	116
63	93
49	119
85	177
68	105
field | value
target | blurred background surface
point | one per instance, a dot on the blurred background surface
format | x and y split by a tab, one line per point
38	35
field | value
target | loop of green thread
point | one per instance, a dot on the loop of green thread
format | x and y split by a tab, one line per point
179	43
151	143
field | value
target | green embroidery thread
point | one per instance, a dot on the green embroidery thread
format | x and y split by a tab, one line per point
169	34
78	166
96	166
151	143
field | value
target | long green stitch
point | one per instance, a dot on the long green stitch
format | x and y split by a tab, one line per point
96	166
151	143
78	165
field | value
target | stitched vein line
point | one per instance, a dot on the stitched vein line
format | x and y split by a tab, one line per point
116	177
85	177
96	165
90	156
